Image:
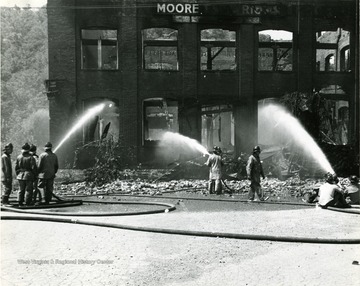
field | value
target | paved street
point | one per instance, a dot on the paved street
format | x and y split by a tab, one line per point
47	253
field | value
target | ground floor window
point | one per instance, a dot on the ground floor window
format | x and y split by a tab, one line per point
217	127
103	125
160	116
334	116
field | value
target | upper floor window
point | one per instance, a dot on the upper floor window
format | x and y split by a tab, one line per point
160	49
332	50
275	50
345	59
218	50
99	49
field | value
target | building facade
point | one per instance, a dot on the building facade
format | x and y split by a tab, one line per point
198	68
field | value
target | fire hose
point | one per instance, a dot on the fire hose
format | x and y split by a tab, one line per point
45	217
169	207
189	232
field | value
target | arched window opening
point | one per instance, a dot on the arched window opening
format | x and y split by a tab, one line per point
334	115
275	50
330	63
345	59
332	50
217	127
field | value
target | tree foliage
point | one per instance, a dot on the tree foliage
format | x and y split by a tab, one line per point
24	67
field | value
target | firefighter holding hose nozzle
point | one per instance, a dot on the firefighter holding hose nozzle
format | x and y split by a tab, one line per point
215	163
330	194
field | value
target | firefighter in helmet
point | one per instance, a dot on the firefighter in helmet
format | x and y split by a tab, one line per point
215	163
254	170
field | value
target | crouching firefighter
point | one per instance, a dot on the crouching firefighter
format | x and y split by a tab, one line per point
215	164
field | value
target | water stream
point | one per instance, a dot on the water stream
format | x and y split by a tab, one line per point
283	125
88	115
178	139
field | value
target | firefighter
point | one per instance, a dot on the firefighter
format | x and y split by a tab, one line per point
215	163
330	194
352	192
6	173
26	172
48	166
36	191
254	170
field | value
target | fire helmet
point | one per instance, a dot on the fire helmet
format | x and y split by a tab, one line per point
257	149
48	146
217	150
26	147
354	179
8	146
331	178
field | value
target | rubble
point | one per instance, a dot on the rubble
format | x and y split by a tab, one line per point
292	187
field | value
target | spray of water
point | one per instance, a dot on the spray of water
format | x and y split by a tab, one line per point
178	139
285	123
90	113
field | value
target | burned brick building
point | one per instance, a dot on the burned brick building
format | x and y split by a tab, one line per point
199	68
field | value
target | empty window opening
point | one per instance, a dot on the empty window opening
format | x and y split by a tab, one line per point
218	50
345	59
332	50
275	50
334	116
217	127
160	116
330	63
99	49
104	125
160	49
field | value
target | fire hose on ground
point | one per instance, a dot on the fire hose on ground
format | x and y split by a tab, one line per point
352	210
45	217
189	232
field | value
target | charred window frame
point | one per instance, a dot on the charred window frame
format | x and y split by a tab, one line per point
332	50
345	59
334	115
99	49
218	50
159	116
274	52
160	49
218	127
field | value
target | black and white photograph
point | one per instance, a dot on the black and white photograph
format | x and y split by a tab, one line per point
180	143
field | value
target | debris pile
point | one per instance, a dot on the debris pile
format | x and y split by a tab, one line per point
145	182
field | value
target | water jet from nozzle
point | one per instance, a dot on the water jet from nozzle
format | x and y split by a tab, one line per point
90	113
283	125
178	139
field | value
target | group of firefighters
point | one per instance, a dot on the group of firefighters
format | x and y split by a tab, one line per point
328	194
36	176
34	173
